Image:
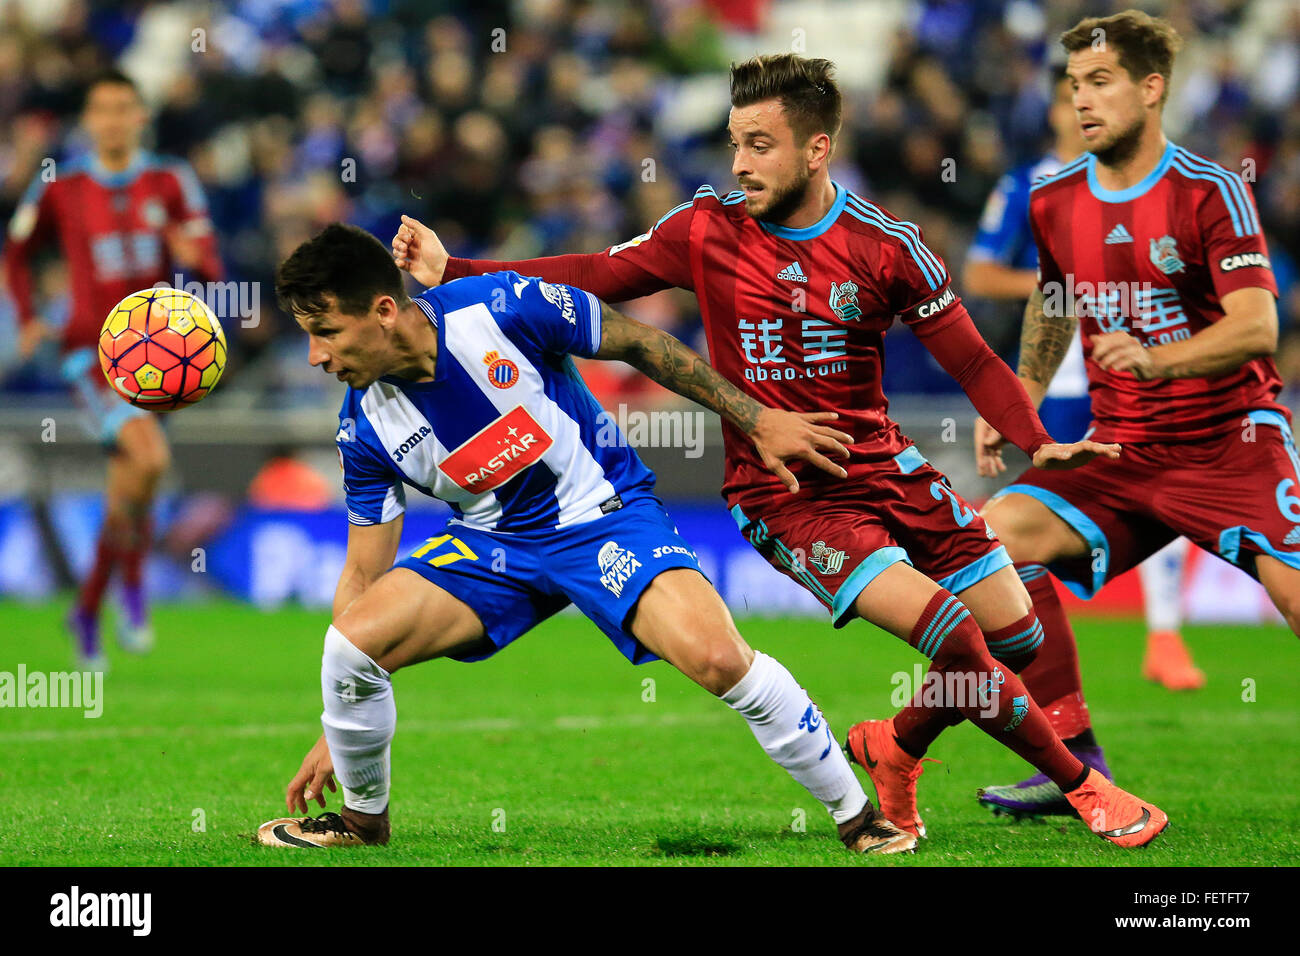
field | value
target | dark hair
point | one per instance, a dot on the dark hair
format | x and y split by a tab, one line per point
341	261
1145	44
111	77
806	88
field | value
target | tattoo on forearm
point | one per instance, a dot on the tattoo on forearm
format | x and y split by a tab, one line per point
1044	340
675	366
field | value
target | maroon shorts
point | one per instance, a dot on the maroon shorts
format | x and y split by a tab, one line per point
1237	496
835	539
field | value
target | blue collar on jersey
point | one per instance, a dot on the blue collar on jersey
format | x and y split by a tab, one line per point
116	180
1137	189
817	228
430	309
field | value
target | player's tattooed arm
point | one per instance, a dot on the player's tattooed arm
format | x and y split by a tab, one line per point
778	435
1045	337
675	366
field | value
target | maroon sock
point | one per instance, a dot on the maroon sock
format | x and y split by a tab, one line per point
137	548
968	680
1053	678
1017	644
107	556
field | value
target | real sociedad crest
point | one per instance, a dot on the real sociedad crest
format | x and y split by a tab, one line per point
844	301
502	372
826	559
1164	255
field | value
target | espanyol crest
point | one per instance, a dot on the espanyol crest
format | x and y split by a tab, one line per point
1164	255
502	373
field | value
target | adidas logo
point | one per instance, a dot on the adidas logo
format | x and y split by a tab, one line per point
792	273
1118	234
1293	537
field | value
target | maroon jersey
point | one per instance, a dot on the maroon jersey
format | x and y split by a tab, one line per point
797	318
1155	261
111	228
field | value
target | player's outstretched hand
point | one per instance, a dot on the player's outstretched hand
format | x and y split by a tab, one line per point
780	436
309	783
418	250
988	450
1057	457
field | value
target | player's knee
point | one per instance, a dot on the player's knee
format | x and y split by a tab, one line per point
1023	538
347	673
1013	660
155	462
962	647
721	664
148	461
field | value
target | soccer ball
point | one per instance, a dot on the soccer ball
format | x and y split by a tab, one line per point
162	349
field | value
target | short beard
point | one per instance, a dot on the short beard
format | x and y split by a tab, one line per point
1123	149
785	203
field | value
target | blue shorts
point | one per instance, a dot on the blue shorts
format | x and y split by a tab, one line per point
515	581
1066	419
104	411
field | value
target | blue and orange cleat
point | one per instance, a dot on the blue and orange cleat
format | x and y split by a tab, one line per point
1116	815
1038	796
893	771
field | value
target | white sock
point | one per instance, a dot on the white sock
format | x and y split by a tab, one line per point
1162	578
359	720
793	732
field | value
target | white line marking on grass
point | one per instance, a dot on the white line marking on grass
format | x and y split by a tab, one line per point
480	725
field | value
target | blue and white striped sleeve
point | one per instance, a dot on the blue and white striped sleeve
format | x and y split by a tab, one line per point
374	493
557	318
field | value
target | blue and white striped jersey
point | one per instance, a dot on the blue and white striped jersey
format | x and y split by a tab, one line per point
507	433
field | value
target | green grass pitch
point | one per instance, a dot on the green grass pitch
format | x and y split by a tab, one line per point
552	753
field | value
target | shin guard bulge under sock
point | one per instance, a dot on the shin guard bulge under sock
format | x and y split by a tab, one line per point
794	733
985	692
359	720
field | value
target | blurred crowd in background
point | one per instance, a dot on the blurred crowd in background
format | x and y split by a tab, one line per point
520	128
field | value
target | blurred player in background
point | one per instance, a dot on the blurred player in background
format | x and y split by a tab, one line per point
124	220
1003	264
798	280
1160	255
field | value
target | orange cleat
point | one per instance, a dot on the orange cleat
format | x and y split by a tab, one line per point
893	771
1168	662
1116	815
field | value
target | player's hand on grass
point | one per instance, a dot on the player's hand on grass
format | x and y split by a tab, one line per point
988	450
1120	352
309	783
780	436
418	250
1057	457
